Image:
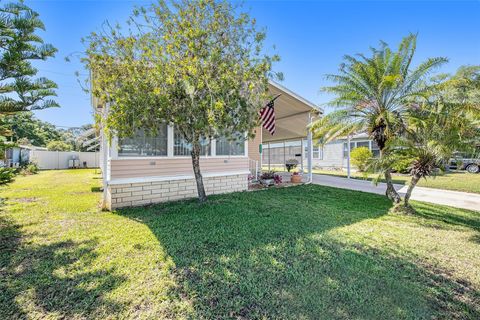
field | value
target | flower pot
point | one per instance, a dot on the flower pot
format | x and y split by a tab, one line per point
296	178
268	182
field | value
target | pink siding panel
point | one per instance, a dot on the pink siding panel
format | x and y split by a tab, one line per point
137	168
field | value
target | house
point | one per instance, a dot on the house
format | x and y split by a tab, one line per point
142	170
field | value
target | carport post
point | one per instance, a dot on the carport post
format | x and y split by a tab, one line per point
302	148
348	156
310	149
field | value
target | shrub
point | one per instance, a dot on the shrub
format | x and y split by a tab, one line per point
402	165
29	168
7	175
360	157
58	146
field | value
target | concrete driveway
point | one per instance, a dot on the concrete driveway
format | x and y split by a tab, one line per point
464	200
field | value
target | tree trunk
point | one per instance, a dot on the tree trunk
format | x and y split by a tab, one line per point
413	183
202	197
391	193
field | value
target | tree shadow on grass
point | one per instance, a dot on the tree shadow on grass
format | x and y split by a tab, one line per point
52	278
96	189
441	216
269	254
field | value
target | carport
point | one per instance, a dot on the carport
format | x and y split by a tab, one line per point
291	140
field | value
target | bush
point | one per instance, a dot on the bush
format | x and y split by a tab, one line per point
402	165
29	168
58	146
360	157
7	175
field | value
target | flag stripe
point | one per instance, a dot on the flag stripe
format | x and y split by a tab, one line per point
267	115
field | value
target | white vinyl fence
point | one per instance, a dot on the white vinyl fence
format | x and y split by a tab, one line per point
60	159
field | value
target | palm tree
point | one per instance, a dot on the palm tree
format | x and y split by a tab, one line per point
372	95
436	129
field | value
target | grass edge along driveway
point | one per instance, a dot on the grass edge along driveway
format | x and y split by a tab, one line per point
455	181
299	252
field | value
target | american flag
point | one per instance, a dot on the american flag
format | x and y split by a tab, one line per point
267	115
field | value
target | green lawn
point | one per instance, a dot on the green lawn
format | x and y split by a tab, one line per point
457	181
303	252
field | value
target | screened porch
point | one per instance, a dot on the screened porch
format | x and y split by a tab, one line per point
291	142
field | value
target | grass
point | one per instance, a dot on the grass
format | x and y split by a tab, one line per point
456	181
301	253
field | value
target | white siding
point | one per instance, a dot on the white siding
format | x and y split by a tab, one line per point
332	156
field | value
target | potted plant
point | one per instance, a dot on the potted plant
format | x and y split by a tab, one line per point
269	178
296	177
291	164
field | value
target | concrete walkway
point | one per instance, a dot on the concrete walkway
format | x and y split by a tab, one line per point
464	200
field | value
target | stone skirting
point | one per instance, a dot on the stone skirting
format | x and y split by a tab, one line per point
143	193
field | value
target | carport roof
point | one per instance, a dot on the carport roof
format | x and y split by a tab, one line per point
292	114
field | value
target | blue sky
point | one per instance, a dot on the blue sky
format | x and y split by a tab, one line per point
310	36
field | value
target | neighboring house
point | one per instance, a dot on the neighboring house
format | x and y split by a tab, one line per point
334	155
142	170
17	155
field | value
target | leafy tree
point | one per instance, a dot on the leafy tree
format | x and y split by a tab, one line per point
25	125
58	146
373	94
360	157
195	64
19	46
76	136
463	88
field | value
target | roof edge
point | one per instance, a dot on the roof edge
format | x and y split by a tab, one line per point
295	95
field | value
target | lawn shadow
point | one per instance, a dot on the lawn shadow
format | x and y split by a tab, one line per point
475	238
9	242
54	278
438	217
269	254
96	189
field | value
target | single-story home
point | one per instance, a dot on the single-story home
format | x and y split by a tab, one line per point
141	170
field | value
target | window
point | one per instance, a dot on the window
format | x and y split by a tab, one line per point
371	145
363	144
229	147
144	144
182	148
375	149
317	150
